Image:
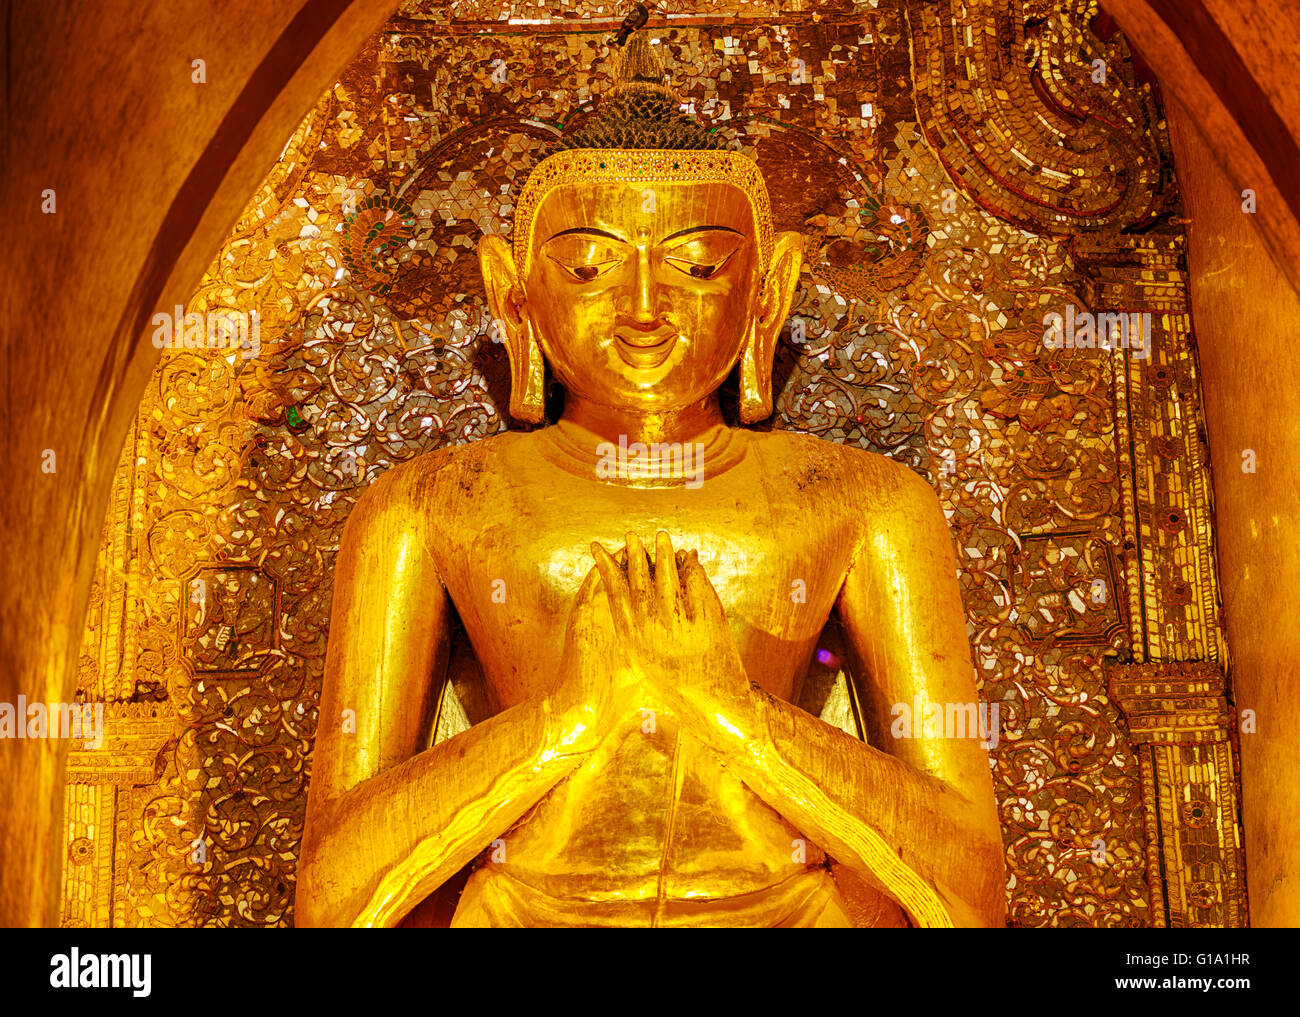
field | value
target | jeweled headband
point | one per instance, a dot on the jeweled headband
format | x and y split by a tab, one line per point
639	134
601	165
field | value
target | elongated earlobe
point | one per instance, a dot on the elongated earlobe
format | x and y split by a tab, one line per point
755	378
527	375
511	322
773	306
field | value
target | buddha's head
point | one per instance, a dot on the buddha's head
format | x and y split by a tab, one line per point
643	264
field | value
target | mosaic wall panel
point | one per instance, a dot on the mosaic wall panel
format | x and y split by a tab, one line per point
1074	479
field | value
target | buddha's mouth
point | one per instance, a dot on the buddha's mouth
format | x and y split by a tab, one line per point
645	349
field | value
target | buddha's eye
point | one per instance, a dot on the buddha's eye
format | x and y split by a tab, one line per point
583	257
704	255
586	273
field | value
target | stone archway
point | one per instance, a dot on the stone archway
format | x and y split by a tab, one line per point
149	168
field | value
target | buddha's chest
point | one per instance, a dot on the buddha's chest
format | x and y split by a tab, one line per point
776	563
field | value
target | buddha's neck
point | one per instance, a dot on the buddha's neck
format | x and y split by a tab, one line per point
587	424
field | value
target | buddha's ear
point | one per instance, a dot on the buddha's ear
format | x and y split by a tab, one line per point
512	324
500	280
770	312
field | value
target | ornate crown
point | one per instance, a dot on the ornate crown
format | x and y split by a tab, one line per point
639	134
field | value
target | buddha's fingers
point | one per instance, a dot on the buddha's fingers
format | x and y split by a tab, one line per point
672	603
620	598
701	598
638	579
590	584
582	614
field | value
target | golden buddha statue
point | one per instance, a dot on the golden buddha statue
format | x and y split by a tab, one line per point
644	586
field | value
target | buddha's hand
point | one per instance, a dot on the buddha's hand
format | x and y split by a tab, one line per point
675	636
582	703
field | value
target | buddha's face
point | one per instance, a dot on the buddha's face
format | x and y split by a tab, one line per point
642	294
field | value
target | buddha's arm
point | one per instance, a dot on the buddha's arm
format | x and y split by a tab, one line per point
919	820
924	807
914	836
388	821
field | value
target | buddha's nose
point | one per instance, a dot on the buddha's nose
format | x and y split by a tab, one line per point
643	299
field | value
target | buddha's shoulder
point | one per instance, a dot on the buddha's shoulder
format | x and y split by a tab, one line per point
425	482
873	482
